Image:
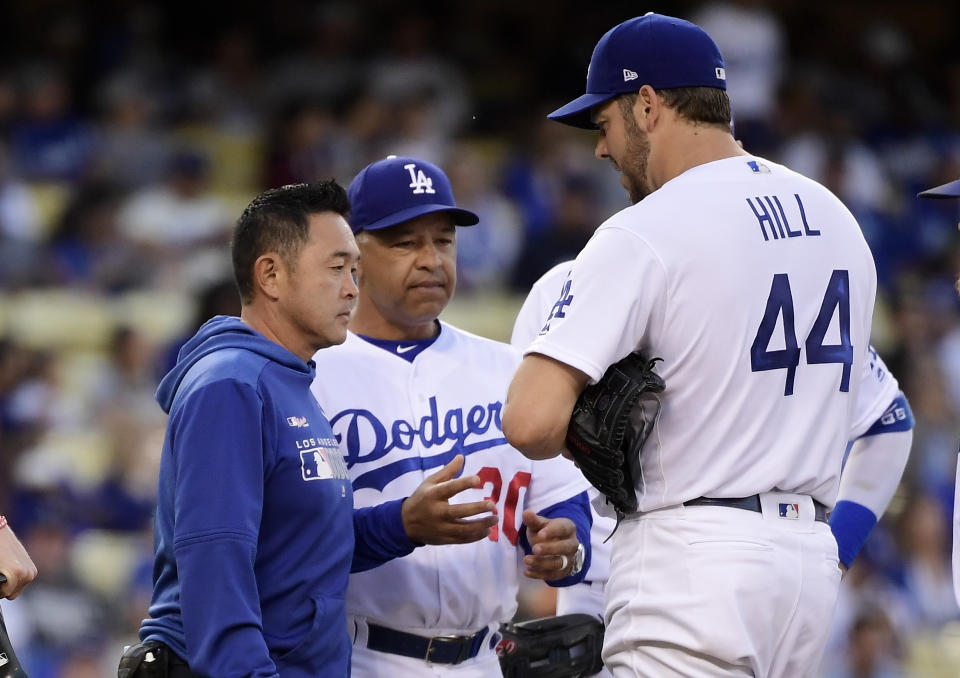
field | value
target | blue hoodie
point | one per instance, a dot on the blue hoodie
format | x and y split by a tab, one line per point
255	526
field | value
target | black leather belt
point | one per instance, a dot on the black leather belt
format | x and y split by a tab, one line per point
752	503
438	649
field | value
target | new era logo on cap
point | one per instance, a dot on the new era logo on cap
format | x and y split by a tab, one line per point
663	52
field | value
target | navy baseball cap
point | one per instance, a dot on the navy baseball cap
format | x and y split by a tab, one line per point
399	188
661	51
948	190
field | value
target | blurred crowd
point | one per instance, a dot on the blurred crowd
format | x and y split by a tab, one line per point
132	135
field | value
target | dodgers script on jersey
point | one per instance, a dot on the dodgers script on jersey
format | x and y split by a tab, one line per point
447	401
764	339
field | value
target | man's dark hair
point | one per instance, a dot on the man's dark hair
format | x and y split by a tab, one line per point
703	105
277	220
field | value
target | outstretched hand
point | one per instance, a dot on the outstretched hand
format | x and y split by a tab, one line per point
429	517
554	544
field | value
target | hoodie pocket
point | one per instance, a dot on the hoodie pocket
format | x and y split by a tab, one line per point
324	646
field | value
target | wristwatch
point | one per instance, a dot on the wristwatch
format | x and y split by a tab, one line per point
578	558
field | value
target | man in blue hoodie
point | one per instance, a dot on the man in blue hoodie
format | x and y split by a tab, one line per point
255	530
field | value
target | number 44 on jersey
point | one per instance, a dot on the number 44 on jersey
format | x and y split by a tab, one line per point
780	302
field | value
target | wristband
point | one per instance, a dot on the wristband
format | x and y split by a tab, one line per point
3	522
851	524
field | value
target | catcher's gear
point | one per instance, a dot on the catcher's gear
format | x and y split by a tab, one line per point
567	646
609	425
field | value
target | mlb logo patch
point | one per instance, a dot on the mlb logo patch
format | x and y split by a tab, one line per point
790	511
314	465
322	463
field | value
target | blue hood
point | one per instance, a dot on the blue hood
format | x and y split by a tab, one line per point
223	332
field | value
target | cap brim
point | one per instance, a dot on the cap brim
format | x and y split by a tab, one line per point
949	190
577	112
461	217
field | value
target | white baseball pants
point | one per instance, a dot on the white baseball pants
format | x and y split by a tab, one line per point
712	591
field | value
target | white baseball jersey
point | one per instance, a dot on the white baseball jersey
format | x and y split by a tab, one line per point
399	422
755	286
878	387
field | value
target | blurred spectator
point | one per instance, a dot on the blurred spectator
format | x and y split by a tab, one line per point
128	383
178	223
327	64
62	615
575	220
926	542
87	248
867	591
873	648
27	386
49	141
307	144
20	227
486	252
228	94
835	156
752	42
426	92
933	462
125	499
131	149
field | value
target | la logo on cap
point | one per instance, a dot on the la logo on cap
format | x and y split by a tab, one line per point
419	182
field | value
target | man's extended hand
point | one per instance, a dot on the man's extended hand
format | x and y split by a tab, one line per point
554	543
15	564
429	518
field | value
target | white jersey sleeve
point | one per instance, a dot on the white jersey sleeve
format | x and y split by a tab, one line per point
537	306
609	316
545	293
878	388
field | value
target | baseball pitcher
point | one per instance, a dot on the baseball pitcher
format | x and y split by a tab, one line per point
753	289
877	456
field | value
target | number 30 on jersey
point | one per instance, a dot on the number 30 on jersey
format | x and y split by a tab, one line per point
780	302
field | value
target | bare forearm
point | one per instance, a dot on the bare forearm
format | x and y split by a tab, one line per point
539	403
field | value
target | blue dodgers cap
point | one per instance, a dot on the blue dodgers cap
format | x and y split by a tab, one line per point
399	188
661	51
948	190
